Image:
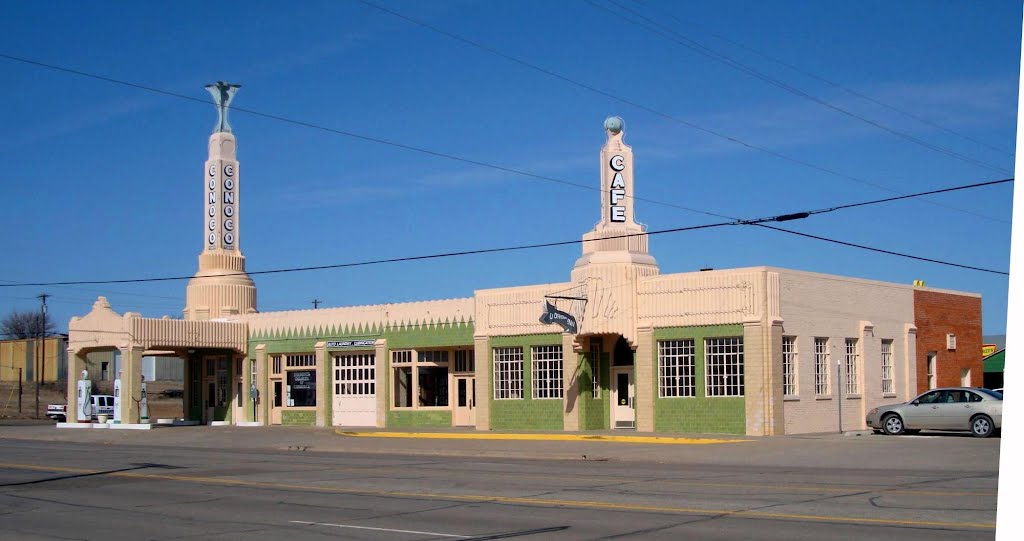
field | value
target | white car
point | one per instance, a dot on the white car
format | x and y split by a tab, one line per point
978	411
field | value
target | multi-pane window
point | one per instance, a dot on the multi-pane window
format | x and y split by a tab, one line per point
307	359
676	368
851	386
723	364
595	369
420	381
887	384
275	363
508	373
789	363
464	361
196	389
222	382
546	366
355	374
821	380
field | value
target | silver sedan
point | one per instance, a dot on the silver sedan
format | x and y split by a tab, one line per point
979	411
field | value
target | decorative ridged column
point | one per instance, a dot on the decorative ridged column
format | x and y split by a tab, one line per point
221	288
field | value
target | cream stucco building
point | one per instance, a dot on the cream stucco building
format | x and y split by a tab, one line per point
757	351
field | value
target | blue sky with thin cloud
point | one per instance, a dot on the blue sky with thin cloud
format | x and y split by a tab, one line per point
101	181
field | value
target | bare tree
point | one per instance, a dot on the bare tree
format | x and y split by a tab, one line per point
18	324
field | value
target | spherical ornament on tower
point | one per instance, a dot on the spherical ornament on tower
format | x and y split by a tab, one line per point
614	124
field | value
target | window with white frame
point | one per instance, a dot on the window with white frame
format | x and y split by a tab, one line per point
723	366
789	363
821	379
508	373
887	383
677	374
546	367
851	387
420	378
595	368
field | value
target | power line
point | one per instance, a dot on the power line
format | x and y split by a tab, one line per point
757	221
899	197
372	262
485	164
724	59
656	112
833	84
881	251
425	151
346	133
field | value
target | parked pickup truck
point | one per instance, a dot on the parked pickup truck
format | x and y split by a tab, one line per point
102	404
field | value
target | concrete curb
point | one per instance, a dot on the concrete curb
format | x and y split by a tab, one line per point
539	437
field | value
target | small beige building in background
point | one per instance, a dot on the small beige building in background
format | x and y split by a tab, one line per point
24	358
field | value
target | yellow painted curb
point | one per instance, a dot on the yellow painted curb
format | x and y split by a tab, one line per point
536	437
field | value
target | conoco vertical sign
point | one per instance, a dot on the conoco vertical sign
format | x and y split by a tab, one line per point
220	205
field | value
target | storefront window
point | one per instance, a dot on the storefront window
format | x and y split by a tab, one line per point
403	387
301	389
433	382
420	378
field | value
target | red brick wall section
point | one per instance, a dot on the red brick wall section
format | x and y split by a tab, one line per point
936	315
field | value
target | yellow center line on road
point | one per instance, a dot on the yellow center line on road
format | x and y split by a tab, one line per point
541	502
539	437
851	489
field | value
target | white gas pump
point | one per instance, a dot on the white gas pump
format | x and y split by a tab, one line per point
117	397
144	404
84	409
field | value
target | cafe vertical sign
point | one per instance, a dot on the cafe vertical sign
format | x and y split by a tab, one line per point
616	176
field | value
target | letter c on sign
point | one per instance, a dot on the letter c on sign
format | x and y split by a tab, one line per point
618	162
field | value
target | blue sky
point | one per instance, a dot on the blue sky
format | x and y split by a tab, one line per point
102	181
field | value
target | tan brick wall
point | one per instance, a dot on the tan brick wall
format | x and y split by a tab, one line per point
936	314
644	380
484	367
762	375
571	370
834	307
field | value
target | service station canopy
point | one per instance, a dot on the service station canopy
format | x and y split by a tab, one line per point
103	328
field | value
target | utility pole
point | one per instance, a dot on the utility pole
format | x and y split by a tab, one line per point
316	303
41	375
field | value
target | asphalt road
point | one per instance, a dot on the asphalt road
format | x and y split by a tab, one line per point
247	484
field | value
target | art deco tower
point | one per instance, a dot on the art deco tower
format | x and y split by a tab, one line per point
221	288
617	240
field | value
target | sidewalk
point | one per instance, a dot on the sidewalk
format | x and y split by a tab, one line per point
685	450
591	445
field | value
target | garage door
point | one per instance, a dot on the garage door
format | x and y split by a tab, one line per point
355	393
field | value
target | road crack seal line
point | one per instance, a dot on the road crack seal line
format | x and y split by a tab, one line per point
511	500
